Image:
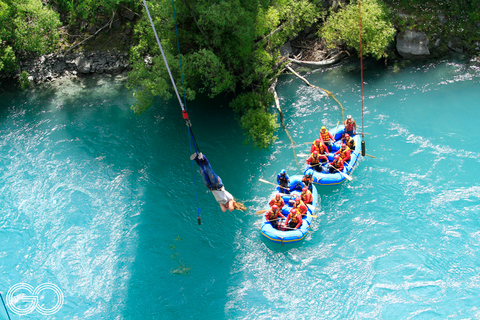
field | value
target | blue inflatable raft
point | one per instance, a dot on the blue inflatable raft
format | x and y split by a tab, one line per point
324	177
296	235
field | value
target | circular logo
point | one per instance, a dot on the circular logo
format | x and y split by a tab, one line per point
29	303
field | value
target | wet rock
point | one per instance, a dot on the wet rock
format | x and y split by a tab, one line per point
412	44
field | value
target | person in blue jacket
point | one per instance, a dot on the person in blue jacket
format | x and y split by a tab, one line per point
283	180
214	183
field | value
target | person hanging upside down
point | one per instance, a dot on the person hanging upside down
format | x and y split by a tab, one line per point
273	214
278	201
306	196
294	219
215	185
283	180
350	126
336	165
326	138
344	153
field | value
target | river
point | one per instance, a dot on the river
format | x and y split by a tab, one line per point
102	203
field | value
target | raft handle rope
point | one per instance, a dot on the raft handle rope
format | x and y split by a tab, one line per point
182	106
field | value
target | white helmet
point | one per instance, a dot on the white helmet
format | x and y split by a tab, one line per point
349	117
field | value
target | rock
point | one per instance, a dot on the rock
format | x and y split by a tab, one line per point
441	18
59	66
412	44
83	64
128	14
286	49
455	45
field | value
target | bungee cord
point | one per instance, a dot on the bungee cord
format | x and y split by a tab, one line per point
183	105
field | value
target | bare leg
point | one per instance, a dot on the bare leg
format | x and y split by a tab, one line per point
231	205
223	207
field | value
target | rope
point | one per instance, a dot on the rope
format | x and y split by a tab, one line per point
277	104
321	89
191	137
6	310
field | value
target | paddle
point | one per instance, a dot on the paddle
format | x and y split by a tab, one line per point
265	181
336	131
371	156
343	174
261	211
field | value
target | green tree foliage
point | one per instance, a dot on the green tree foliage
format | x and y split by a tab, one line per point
89	9
343	27
26	26
226	45
258	124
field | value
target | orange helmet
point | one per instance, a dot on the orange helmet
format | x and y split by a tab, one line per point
344	145
297	199
315	153
278	196
317	141
337	157
274	207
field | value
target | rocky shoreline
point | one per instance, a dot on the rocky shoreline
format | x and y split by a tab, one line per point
47	68
409	44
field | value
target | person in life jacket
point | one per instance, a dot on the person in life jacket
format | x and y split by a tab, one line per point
308	181
215	185
326	138
350	126
300	206
315	161
336	165
306	196
344	153
277	201
273	214
294	219
318	146
283	180
349	141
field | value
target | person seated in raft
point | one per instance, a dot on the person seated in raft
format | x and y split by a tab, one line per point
306	196
277	201
326	138
313	161
283	180
273	214
344	153
294	219
336	165
318	146
350	126
308	181
349	141
300	206
215	185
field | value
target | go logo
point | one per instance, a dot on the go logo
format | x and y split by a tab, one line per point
16	296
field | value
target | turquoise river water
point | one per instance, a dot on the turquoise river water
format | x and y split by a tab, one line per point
100	203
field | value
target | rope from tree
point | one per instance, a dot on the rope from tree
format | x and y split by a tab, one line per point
277	104
321	89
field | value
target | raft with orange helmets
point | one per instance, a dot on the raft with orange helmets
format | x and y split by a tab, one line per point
282	235
324	177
